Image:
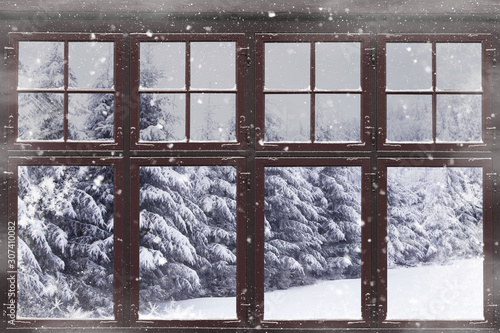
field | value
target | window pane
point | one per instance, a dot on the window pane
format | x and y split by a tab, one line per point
409	66
41	65
90	117
287	66
435	243
65	242
338	66
163	65
459	118
213	65
213	117
40	116
338	117
288	117
409	118
91	65
188	242
458	66
312	260
163	117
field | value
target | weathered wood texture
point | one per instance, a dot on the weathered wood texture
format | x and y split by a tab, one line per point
419	7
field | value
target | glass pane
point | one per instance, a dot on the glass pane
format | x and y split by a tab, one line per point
91	65
40	116
459	118
213	117
41	65
338	66
188	242
459	66
338	117
213	65
312	260
65	242
409	66
409	118
90	117
287	66
435	243
163	65
163	117
288	117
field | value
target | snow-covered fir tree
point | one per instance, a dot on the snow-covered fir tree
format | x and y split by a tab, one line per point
312	223
187	233
65	242
434	215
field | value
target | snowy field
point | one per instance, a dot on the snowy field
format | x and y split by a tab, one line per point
451	292
419	293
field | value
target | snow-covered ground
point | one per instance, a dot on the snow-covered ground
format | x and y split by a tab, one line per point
451	292
448	292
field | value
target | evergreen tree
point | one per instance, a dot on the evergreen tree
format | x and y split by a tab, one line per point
65	236
188	233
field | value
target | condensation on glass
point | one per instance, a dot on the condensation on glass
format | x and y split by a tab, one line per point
65	242
333	96
456	87
206	96
312	249
187	251
44	81
435	243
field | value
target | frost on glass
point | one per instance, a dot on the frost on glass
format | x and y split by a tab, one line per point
409	118
435	243
40	116
338	66
409	66
458	66
338	117
65	242
90	117
187	253
163	65
458	118
312	250
213	65
213	117
287	66
91	65
163	117
287	118
41	65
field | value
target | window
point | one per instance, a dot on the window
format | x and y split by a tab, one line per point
434	92
201	173
69	91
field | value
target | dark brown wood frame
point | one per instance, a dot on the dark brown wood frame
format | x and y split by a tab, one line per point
118	207
241	284
487	128
370	151
366	277
117	91
260	92
240	68
489	308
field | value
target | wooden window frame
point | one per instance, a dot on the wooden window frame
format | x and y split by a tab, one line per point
117	91
366	277
485	92
239	91
118	246
241	251
488	249
260	91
